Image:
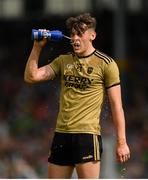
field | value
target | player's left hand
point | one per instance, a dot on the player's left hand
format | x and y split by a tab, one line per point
122	152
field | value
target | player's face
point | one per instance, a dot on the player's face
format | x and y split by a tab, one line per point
82	42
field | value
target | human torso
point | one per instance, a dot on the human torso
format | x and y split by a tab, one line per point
82	93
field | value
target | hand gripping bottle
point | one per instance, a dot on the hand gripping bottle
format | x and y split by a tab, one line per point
55	35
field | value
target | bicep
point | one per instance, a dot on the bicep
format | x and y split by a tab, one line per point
114	95
45	73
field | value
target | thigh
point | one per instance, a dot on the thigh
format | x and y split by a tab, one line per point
59	172
88	170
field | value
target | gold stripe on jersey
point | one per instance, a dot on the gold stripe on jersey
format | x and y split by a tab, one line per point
94	140
97	149
103	56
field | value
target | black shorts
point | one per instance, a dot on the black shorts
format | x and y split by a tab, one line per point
70	149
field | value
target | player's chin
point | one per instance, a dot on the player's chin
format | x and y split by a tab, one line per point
77	51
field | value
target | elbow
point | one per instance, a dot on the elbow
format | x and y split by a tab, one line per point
29	80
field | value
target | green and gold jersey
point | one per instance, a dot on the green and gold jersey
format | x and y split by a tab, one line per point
83	84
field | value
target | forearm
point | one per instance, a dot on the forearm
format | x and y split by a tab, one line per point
119	121
114	94
122	149
32	64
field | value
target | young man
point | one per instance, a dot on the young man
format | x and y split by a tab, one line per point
85	74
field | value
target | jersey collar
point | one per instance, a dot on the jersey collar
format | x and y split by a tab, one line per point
87	55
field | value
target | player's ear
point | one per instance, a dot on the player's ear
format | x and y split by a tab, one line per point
93	35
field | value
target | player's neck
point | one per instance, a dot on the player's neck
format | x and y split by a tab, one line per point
86	53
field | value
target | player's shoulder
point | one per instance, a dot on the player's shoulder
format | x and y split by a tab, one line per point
103	57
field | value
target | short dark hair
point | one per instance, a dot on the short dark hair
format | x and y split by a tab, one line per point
81	23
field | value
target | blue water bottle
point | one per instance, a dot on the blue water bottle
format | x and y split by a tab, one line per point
55	35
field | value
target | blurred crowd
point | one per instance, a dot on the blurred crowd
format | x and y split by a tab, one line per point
28	112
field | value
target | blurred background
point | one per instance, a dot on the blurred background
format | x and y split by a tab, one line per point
28	112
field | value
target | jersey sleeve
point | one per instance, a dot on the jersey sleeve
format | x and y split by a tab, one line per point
111	74
56	65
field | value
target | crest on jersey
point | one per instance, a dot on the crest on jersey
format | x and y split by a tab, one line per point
89	70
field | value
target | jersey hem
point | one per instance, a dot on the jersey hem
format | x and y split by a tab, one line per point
53	70
77	132
113	85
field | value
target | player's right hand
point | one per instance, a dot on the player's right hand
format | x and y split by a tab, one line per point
41	43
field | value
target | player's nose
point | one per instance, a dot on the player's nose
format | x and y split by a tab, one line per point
75	37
